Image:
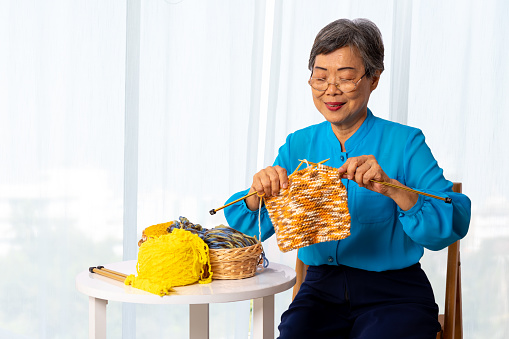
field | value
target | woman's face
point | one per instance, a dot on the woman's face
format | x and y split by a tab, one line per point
345	111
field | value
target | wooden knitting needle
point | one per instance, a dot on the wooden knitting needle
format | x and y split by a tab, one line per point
106	274
447	200
213	211
112	272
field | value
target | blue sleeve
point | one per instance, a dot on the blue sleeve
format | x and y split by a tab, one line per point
240	217
431	222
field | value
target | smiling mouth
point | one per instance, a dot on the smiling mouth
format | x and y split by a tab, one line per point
334	106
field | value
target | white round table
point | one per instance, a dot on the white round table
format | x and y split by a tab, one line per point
262	287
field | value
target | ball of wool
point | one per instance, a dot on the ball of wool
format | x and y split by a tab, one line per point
175	259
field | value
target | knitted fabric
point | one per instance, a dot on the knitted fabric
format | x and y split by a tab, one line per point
313	209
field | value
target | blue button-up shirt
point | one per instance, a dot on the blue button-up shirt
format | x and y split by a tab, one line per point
383	236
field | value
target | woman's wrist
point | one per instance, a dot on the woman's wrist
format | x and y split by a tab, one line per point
404	199
252	202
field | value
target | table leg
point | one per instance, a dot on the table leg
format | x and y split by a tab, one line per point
97	318
263	318
198	321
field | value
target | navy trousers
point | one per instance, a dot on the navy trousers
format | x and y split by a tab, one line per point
343	302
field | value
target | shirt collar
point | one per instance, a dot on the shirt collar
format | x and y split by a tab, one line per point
359	135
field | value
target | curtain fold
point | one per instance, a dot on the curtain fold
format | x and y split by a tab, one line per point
131	132
401	46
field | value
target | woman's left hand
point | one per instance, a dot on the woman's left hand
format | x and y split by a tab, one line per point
365	168
362	170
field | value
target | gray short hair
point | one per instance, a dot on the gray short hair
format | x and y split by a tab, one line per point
360	33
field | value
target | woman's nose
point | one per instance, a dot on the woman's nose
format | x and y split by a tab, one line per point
332	88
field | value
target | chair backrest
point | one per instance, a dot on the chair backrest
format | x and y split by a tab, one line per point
451	320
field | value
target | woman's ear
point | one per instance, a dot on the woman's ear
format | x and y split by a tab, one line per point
374	80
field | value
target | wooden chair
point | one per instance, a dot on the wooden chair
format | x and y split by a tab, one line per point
451	320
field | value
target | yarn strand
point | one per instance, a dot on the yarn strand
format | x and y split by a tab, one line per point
264	258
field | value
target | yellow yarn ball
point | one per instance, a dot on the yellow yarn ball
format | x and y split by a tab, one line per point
157	230
175	259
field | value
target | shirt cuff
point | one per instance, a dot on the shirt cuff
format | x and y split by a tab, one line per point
415	208
246	209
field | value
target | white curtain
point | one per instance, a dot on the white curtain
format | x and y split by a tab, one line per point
457	95
62	85
213	88
200	69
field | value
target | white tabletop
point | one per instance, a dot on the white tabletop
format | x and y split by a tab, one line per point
272	280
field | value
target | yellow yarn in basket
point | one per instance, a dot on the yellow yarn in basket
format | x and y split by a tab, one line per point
175	259
157	230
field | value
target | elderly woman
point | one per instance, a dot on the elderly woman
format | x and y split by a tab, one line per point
369	285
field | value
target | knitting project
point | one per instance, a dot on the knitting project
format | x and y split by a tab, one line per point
313	209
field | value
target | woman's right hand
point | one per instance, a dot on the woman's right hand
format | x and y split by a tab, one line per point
268	181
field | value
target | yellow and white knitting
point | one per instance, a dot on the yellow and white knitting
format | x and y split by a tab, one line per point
313	209
175	259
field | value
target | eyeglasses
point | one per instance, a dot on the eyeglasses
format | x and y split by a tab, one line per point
344	85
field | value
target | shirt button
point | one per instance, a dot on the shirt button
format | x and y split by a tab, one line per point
401	214
331	259
342	158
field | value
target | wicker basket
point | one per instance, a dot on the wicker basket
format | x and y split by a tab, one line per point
235	263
